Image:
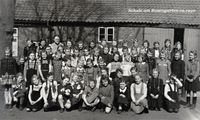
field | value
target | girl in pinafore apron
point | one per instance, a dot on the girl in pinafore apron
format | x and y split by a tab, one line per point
30	68
45	66
143	68
163	66
35	101
171	94
50	93
138	96
192	79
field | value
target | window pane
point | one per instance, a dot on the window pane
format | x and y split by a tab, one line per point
102	30
110	31
110	37
101	37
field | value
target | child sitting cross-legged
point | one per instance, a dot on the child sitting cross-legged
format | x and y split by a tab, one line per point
106	94
90	96
64	94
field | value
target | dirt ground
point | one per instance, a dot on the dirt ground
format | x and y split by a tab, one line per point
15	114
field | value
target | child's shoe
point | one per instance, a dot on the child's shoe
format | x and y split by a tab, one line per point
62	110
34	110
10	106
20	107
80	108
146	110
6	106
28	110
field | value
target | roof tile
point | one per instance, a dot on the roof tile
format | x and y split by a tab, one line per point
109	11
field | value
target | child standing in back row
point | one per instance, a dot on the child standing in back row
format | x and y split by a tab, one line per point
7	72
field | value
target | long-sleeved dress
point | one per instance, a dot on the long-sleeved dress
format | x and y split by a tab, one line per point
8	70
57	66
164	69
155	87
143	70
106	93
178	68
192	72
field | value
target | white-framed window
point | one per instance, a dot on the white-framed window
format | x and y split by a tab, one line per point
106	33
15	44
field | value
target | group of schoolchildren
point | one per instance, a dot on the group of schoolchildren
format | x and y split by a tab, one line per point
100	76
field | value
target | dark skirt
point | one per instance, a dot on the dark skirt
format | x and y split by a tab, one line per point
29	74
45	73
66	98
75	101
122	100
34	96
52	106
155	103
192	86
172	105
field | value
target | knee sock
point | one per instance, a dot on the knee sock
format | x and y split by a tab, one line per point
188	99
21	101
9	97
6	97
194	101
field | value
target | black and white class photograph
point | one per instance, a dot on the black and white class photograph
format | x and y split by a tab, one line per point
99	59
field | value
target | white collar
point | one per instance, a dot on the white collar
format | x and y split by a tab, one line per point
124	90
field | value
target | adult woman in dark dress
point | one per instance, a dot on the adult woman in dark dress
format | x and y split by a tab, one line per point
30	68
178	69
192	79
